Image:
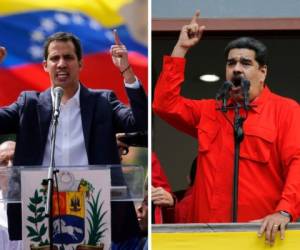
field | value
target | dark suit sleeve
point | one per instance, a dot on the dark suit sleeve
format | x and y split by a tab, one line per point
139	107
10	115
134	118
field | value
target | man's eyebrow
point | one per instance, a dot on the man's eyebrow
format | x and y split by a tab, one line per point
231	60
242	59
245	59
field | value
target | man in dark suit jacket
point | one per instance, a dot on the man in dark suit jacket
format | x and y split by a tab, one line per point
96	115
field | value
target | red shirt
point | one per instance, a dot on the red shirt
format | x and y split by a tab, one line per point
269	167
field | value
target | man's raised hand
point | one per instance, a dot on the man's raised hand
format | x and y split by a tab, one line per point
119	56
119	53
190	35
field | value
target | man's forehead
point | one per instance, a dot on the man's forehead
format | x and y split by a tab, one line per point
241	53
61	46
61	43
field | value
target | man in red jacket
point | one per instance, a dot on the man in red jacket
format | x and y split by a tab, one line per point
269	166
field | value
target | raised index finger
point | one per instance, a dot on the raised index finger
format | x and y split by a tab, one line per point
196	16
117	38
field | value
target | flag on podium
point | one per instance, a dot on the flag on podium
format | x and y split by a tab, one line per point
25	24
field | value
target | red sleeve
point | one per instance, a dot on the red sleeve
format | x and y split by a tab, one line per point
159	179
180	112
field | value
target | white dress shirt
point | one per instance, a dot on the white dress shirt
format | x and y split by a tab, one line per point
69	146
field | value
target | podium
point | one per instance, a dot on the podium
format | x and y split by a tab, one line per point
93	206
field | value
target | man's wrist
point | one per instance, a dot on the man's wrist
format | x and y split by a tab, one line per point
126	68
129	76
285	214
179	51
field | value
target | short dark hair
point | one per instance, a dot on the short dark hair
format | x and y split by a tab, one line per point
64	37
249	43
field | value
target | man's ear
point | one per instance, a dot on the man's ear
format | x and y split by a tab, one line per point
80	64
45	65
264	70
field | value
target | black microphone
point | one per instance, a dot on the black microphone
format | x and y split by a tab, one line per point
245	90
58	92
223	94
244	83
224	90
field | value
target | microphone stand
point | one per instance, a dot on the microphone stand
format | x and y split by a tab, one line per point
51	171
238	138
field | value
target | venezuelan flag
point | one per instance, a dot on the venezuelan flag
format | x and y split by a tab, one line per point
25	24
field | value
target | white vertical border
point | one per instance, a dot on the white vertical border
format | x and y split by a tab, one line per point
149	123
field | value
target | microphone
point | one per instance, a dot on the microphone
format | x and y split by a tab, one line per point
223	94
58	92
244	83
224	89
245	90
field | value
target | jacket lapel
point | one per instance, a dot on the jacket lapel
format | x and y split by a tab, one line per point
44	115
87	102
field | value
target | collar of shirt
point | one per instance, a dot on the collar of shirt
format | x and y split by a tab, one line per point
258	102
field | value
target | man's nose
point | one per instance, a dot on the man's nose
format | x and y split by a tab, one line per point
238	68
61	62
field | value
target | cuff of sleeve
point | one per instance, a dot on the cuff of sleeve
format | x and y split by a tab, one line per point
135	85
286	206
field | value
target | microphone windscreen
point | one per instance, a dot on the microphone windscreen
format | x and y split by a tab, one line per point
58	91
